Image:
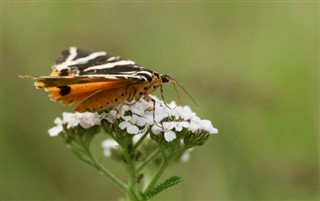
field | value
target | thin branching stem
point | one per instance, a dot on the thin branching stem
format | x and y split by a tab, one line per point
150	158
155	179
107	173
132	172
140	141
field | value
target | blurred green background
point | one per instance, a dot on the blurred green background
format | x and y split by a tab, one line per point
253	69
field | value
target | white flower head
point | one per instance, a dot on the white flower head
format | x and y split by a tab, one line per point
137	117
71	120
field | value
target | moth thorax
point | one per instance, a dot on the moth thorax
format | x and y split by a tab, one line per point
62	72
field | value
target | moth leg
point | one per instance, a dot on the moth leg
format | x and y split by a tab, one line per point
162	96
149	98
128	97
125	95
119	109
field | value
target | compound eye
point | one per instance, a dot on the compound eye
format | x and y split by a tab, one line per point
165	78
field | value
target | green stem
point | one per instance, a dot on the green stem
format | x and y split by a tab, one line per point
148	159
167	160
107	173
133	174
131	187
140	141
158	175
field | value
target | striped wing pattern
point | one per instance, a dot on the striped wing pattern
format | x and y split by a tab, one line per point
84	63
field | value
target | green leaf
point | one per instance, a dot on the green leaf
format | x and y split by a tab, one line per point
168	183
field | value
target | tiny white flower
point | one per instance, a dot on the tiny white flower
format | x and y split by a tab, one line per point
156	129
111	116
195	119
88	119
108	145
169	136
139	121
125	108
71	119
131	129
179	125
207	126
140	107
169	125
186	156
124	125
172	104
160	115
194	126
186	113
54	131
129	124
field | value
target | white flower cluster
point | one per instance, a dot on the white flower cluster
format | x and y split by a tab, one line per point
168	119
71	120
137	117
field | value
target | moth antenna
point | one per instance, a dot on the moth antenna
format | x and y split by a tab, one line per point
185	91
28	77
175	88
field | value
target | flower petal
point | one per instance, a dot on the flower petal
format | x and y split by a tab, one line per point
159	116
124	124
139	121
132	129
58	121
71	119
169	136
55	131
88	119
127	118
156	129
207	126
169	125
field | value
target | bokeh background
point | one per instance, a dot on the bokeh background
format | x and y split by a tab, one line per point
252	67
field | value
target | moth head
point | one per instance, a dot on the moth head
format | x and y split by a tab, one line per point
165	78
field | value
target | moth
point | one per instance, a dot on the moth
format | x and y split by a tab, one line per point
98	81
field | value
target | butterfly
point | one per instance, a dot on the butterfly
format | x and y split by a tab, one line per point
98	81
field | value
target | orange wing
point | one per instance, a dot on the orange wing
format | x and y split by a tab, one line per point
103	100
63	92
92	93
106	99
70	94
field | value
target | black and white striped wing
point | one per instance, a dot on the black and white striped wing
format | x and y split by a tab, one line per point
84	63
